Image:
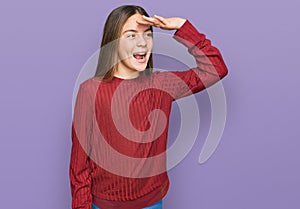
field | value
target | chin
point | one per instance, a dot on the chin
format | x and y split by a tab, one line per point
140	69
140	66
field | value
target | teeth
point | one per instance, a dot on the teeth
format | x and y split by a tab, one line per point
140	53
139	56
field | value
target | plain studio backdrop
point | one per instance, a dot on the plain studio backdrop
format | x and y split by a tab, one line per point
44	45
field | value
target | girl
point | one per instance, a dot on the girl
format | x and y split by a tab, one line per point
120	123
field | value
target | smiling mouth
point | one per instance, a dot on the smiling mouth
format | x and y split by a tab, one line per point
140	57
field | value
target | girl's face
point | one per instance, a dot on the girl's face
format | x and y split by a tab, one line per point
135	46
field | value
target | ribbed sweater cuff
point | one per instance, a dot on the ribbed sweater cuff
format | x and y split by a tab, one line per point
189	33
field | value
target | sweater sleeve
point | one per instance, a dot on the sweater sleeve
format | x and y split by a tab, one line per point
80	172
210	64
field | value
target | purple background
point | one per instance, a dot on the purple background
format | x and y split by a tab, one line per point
44	44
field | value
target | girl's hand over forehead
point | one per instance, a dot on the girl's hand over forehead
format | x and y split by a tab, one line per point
172	23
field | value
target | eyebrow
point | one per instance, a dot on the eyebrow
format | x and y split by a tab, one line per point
132	30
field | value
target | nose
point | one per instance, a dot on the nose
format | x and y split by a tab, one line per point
141	40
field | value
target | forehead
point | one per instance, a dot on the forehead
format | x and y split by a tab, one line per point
131	24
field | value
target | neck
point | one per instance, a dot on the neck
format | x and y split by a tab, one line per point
126	75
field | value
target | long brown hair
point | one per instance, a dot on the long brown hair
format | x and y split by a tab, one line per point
112	30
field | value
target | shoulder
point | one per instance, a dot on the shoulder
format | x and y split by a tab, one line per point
164	74
90	85
159	73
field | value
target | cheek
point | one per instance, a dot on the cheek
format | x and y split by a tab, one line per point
150	45
125	49
125	44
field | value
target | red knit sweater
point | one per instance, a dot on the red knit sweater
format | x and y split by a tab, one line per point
120	129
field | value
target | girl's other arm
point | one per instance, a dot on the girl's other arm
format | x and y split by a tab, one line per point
80	174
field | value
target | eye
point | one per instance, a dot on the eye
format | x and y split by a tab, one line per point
149	35
130	36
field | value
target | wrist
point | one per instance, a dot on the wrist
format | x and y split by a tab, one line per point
180	23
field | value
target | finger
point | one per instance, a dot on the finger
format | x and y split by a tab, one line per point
146	23
151	19
147	18
143	22
154	21
161	19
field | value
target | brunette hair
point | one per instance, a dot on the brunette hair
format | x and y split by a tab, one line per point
112	30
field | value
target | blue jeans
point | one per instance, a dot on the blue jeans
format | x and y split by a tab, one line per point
157	205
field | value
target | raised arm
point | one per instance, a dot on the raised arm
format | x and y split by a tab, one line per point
210	64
